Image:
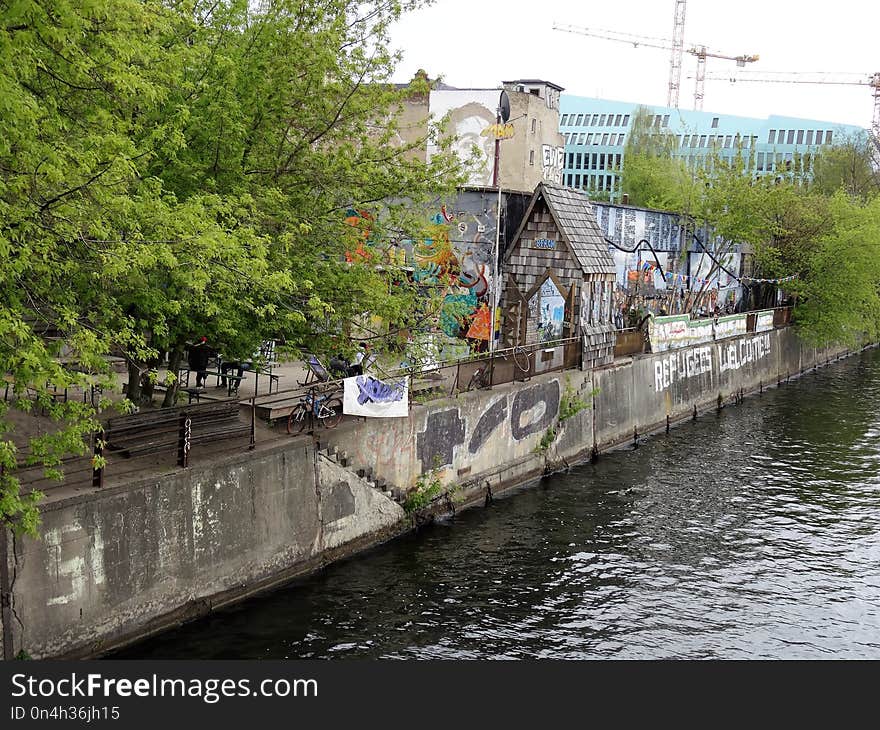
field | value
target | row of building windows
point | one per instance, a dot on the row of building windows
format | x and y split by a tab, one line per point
798	136
594	161
699	141
586	139
597	120
592	182
761	161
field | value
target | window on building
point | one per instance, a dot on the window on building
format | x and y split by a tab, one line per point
728	141
601	182
577	161
582	137
579	121
617	161
625	120
602	162
620	138
534	125
617	120
665	120
780	137
657	120
570	158
595	161
564	121
577	181
828	137
595	122
771	138
608	179
604	139
809	136
714	122
589	139
602	121
702	140
754	139
789	158
531	157
568	180
760	161
790	137
800	136
818	136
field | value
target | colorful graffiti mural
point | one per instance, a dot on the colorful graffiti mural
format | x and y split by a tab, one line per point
458	256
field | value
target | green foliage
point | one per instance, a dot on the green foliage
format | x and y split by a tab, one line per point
176	169
546	440
427	487
850	165
571	403
820	226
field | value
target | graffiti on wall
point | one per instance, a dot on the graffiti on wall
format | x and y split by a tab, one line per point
552	162
531	411
457	255
685	364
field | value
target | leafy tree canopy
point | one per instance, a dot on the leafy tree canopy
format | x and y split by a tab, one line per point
178	168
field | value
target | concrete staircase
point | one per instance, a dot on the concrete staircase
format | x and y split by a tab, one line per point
365	473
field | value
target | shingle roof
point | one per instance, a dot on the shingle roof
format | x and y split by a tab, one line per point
574	215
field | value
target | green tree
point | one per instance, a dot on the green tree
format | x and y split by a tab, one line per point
851	165
183	168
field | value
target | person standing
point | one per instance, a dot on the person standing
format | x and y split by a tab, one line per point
198	357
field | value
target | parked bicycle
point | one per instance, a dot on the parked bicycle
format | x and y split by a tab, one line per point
326	408
482	376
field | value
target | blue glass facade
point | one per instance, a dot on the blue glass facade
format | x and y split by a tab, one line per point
595	132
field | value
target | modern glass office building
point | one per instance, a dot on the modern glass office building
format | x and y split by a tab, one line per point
595	132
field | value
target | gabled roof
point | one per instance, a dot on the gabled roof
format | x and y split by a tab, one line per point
573	213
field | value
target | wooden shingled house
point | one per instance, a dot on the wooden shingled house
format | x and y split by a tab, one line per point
558	280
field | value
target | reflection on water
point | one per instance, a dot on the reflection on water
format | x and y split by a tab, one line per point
748	534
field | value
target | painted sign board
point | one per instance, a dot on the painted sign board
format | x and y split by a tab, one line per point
545	243
764	321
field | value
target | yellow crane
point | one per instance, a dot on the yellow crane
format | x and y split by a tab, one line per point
699	50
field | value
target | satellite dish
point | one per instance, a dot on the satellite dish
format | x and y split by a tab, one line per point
504	106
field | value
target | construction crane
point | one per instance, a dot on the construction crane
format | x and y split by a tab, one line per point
818	77
675	60
700	51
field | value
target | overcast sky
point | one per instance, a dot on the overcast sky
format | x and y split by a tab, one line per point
479	43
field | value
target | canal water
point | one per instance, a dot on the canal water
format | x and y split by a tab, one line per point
753	533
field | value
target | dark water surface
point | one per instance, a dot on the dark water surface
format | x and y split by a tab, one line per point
755	533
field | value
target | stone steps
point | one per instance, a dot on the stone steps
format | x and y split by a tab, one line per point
365	473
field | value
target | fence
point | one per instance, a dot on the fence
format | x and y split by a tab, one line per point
132	444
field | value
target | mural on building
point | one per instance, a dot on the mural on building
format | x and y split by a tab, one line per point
470	113
458	257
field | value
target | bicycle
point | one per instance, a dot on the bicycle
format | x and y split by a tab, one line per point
325	408
482	376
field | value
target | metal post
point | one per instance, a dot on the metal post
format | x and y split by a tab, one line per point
184	440
253	422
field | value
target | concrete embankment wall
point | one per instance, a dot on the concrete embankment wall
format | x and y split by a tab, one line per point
124	562
635	398
116	564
